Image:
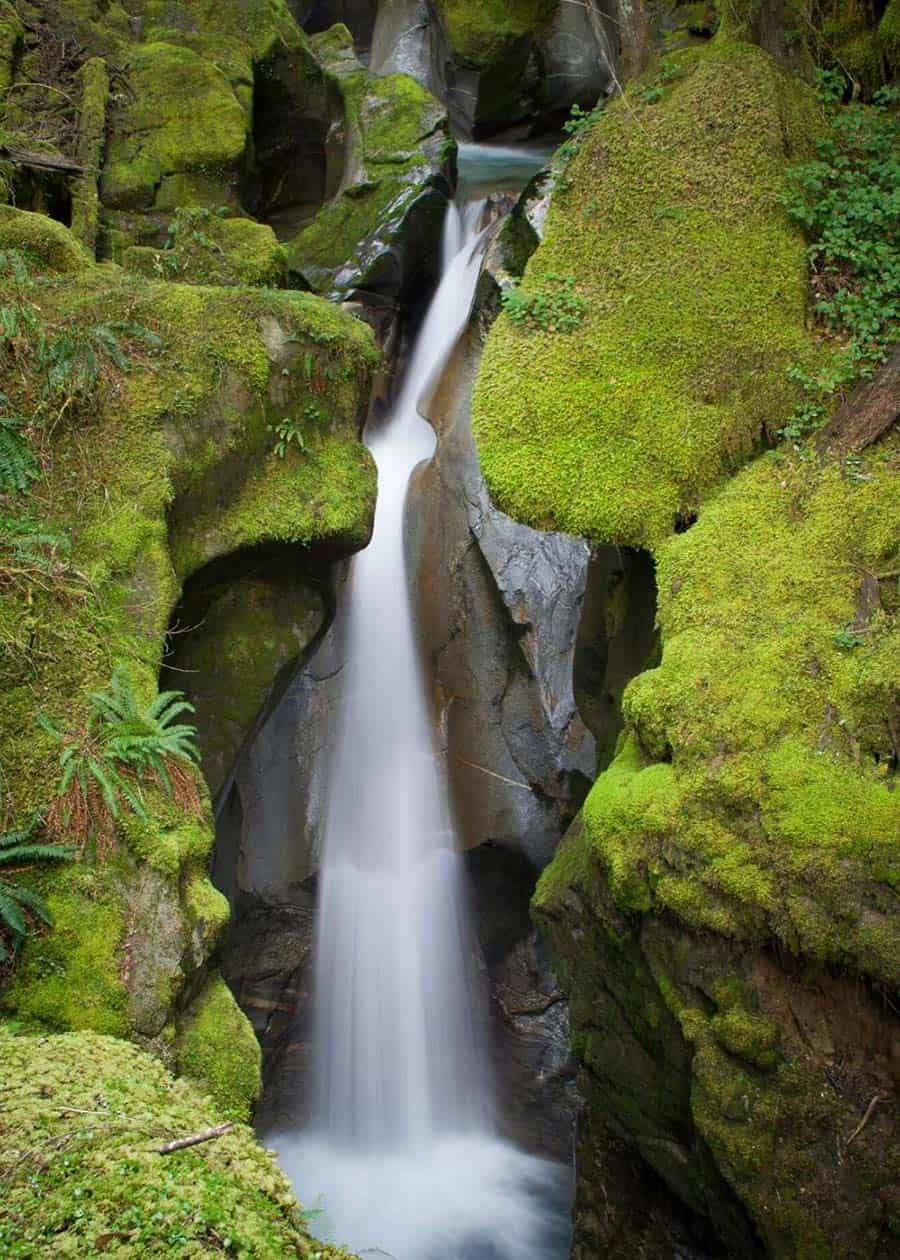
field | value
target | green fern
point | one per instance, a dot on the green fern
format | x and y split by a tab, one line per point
18	903
18	466
118	750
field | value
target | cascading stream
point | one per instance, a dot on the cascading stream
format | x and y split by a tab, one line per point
395	1046
401	1147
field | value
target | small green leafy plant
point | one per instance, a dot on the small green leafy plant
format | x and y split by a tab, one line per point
287	435
848	201
849	637
120	749
653	92
18	464
18	903
556	307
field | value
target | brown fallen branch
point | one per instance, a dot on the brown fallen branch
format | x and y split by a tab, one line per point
870	1111
868	411
205	1135
42	161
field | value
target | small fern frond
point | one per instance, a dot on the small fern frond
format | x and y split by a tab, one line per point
11	916
18	464
24	853
32	901
20	834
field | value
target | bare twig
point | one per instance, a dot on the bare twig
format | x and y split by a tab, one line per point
205	1135
870	1111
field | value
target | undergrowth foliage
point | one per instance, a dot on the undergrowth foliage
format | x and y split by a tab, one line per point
120	750
556	307
19	904
848	201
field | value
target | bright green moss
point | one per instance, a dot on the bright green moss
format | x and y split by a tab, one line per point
105	1107
46	244
752	796
181	436
71	975
207	249
481	32
180	115
694	286
218	1050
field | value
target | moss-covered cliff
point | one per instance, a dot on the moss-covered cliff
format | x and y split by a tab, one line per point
738	858
153	406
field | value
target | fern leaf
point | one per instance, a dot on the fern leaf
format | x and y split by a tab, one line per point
18	465
11	916
19	835
35	853
32	901
108	781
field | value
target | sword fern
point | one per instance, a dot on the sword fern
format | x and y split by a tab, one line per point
18	903
105	764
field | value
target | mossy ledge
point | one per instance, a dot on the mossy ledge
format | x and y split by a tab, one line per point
81	1125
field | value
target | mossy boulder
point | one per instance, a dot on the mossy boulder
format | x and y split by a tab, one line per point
749	819
165	464
216	1046
205	248
82	1122
693	287
523	61
181	117
42	242
386	216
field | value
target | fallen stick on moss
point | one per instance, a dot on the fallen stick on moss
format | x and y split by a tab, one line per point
877	1098
205	1135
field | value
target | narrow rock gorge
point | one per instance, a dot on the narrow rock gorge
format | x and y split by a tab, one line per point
449	668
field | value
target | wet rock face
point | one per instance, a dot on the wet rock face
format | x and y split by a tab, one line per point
378	235
498	605
617	639
528	1023
493	76
267	854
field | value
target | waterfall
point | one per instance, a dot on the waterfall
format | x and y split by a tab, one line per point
394	1040
401	1146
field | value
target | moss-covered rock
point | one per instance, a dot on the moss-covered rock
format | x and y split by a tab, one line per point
389	207
42	242
249	632
166	463
481	33
180	117
217	1048
82	1122
751	802
694	294
205	248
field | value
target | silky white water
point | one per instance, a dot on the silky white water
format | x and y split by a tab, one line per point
400	1154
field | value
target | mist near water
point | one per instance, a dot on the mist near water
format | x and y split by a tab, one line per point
401	1154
